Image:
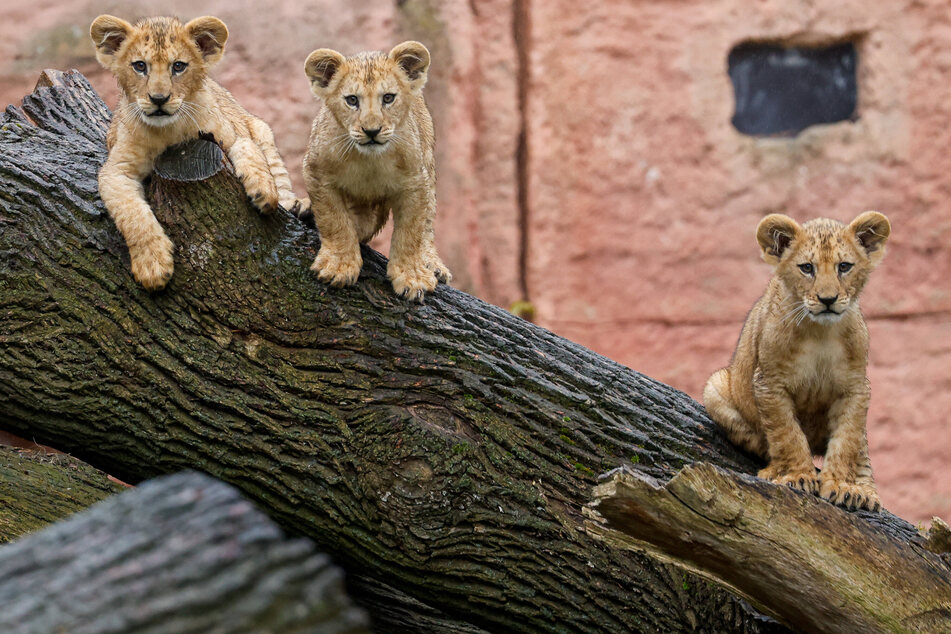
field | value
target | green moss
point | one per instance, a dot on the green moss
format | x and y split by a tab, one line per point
565	438
583	469
523	309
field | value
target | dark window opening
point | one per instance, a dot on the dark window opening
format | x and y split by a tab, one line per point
782	91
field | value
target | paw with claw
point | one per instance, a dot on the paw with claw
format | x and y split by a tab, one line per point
851	495
440	270
412	279
337	268
801	479
152	262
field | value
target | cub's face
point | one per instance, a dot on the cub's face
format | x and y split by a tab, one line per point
369	95
823	264
159	63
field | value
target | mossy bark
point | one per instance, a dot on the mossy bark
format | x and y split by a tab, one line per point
183	553
37	489
446	449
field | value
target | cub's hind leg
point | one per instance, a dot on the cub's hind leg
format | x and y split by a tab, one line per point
719	403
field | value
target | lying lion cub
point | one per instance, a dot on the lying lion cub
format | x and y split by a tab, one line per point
370	151
796	386
166	98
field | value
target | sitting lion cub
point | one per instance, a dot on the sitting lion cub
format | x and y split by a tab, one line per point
166	98
796	386
370	151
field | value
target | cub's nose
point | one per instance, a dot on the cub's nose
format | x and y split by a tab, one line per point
371	133
828	301
159	100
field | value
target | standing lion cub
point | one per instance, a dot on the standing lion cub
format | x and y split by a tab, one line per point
370	151
796	386
166	98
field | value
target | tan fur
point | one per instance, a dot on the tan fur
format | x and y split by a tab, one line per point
353	183
796	386
196	104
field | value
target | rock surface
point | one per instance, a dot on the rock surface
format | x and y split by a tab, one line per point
628	219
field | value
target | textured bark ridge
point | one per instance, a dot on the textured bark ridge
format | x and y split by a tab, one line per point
37	489
444	450
183	553
816	567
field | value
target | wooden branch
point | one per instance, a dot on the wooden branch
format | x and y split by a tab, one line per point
37	489
816	566
184	553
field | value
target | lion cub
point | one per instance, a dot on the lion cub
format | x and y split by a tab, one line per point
796	386
370	151
161	66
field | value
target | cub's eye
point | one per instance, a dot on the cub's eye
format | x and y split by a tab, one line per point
179	67
352	100
845	267
807	268
139	66
388	97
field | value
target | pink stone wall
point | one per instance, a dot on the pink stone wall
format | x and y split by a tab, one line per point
627	218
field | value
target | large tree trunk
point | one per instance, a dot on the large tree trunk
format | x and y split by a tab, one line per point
447	449
183	553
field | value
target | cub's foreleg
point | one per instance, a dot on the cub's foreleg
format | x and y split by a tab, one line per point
790	458
250	166
846	477
264	138
414	266
150	250
338	261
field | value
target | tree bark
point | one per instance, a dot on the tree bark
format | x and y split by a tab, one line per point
183	553
817	568
447	449
37	489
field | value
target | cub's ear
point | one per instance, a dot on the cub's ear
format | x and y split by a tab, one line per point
108	33
774	234
871	229
322	68
209	34
413	59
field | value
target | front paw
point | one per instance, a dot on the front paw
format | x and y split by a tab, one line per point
850	495
299	207
801	479
411	279
152	262
337	269
260	187
440	270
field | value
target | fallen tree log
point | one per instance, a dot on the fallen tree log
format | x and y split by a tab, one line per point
446	450
820	569
183	553
37	489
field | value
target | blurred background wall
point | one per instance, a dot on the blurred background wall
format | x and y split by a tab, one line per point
587	164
